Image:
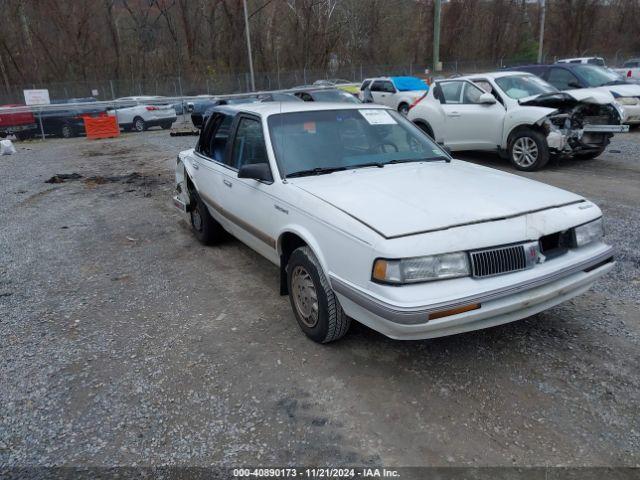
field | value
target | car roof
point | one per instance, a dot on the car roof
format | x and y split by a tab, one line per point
274	108
493	75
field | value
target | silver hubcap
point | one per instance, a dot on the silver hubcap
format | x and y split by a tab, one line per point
305	297
525	152
139	125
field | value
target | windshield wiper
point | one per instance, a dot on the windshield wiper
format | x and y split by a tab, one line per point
315	171
370	164
426	159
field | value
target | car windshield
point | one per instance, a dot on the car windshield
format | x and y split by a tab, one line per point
334	96
314	142
597	76
521	86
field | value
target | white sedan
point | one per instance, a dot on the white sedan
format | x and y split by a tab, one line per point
141	113
367	218
519	115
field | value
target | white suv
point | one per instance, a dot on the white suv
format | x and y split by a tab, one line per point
398	93
140	113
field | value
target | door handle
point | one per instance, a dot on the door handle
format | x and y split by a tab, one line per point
454	114
196	166
227	183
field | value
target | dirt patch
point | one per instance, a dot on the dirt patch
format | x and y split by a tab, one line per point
61	177
111	152
134	178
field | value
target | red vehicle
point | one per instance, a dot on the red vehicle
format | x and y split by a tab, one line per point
21	124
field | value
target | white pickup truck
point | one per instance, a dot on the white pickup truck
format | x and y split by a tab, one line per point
630	70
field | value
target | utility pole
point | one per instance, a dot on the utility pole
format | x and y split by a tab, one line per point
246	24
437	4
542	5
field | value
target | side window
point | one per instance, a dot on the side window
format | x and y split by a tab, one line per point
213	141
388	87
562	79
377	86
471	93
248	145
484	85
451	92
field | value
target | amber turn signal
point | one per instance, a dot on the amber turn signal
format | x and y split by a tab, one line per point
454	311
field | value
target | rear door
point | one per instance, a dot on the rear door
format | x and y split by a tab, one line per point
469	125
210	161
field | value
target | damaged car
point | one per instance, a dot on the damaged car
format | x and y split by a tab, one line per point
367	218
518	115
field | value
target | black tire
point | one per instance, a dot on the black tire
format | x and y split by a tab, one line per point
166	126
403	108
528	150
139	125
22	136
329	323
426	129
589	155
67	131
206	229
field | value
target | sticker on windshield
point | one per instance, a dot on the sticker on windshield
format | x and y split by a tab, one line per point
377	117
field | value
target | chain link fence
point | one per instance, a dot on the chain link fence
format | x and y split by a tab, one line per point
70	99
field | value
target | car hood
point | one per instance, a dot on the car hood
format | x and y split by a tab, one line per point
406	199
624	90
568	98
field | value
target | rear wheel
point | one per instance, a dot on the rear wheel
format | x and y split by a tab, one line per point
589	155
206	229
67	131
139	125
403	108
528	150
314	304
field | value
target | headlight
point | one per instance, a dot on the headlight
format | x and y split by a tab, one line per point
589	232
627	100
421	269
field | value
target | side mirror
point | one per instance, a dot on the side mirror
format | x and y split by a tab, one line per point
256	171
487	99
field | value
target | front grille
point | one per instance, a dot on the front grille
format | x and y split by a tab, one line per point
597	120
495	261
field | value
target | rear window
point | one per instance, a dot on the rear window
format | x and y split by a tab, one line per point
364	85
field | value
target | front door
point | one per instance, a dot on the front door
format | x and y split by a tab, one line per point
469	125
249	204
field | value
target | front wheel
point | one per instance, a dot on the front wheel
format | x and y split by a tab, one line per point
403	108
589	155
528	150
314	304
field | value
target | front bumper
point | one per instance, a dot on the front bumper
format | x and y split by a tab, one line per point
498	306
632	114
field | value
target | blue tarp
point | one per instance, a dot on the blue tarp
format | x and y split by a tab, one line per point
405	84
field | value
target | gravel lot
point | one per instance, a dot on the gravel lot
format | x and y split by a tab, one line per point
125	342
